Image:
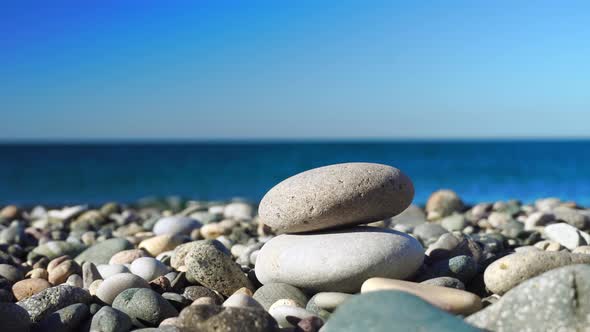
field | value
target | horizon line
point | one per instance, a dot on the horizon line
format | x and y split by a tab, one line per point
288	140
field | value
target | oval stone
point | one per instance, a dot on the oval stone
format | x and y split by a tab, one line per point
175	225
340	260
113	286
336	195
511	270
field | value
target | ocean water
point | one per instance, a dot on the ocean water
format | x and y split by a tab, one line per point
477	171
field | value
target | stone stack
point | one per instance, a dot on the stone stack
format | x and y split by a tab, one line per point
324	246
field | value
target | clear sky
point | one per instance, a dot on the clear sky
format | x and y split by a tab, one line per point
294	69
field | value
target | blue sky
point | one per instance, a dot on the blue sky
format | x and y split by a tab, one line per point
294	69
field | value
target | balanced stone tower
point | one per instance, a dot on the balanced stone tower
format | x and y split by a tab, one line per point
323	247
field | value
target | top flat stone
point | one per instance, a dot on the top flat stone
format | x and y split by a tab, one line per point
336	195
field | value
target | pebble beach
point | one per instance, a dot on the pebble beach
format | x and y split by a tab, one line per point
336	248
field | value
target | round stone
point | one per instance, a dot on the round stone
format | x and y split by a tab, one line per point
268	294
175	225
443	203
108	319
148	268
567	235
145	307
339	260
336	195
209	263
113	286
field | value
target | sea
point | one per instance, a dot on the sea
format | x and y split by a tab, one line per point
98	172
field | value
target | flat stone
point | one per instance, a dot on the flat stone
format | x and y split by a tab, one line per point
449	299
145	307
53	299
330	300
102	252
445	282
392	311
566	235
176	225
336	195
272	292
210	318
557	300
108	319
339	260
64	320
113	286
14	318
209	263
509	271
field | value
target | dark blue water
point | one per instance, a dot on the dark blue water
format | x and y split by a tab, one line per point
95	173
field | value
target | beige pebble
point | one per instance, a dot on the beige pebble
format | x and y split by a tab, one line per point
40	273
94	286
582	250
549	245
449	299
245	291
158	244
284	302
56	261
29	287
212	231
128	256
205	300
59	274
